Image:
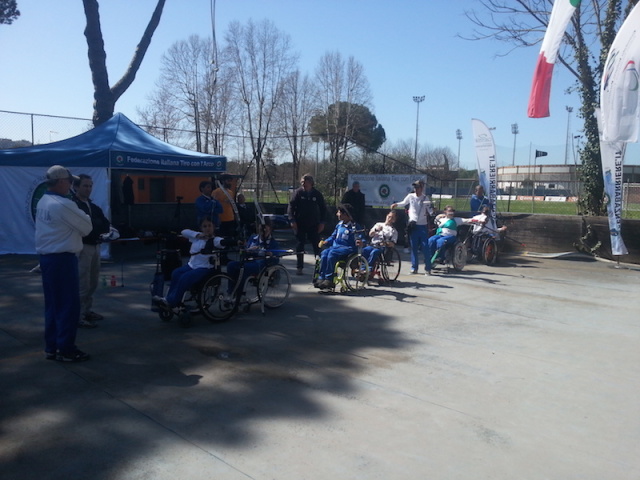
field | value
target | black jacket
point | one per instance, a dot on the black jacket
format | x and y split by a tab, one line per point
100	223
307	208
356	200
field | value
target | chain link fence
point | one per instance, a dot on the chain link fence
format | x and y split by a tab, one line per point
527	194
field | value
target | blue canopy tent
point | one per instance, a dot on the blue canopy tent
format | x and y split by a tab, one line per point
116	144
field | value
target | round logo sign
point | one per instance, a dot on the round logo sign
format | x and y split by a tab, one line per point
384	191
37	194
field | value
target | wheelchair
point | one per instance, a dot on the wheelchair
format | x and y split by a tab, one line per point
484	247
454	257
350	274
270	287
193	300
387	265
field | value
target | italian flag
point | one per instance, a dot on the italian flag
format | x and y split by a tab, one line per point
541	88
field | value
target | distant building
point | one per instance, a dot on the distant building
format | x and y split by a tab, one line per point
554	180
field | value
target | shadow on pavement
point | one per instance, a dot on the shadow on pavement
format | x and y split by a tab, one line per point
149	383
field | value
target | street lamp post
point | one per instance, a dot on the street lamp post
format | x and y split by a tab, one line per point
418	100
515	131
566	148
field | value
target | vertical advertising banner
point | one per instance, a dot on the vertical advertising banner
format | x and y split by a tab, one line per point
612	157
486	156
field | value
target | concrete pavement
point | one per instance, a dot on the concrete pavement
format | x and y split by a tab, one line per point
529	369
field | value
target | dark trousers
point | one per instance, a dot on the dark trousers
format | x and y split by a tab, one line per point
182	279
303	235
61	287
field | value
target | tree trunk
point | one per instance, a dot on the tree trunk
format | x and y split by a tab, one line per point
105	97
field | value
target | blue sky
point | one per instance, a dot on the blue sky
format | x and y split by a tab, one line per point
407	48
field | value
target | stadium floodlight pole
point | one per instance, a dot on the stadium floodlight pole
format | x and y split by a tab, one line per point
515	131
566	148
459	138
418	100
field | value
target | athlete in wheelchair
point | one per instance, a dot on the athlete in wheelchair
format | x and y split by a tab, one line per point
485	235
260	251
341	262
444	247
257	277
384	259
204	250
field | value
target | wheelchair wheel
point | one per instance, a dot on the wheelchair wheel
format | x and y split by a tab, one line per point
165	314
390	263
316	270
458	256
490	251
213	300
356	272
274	285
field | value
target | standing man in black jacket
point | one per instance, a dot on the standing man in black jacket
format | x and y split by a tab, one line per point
89	259
307	211
355	198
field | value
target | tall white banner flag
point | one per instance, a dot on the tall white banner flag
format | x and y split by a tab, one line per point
619	89
612	157
486	156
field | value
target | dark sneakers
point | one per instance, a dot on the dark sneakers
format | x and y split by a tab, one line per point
92	316
85	323
77	356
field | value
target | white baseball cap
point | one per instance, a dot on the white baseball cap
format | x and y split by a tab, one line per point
58	171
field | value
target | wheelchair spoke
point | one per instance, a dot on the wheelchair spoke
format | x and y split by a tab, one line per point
214	300
390	263
356	272
274	285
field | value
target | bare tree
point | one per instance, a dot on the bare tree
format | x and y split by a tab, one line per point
522	23
341	85
294	113
162	119
260	57
192	94
105	96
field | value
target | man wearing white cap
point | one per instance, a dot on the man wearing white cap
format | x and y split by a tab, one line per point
60	226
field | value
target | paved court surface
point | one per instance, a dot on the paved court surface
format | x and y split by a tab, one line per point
526	370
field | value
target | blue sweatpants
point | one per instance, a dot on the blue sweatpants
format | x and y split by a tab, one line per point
61	287
418	240
182	279
329	258
439	242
